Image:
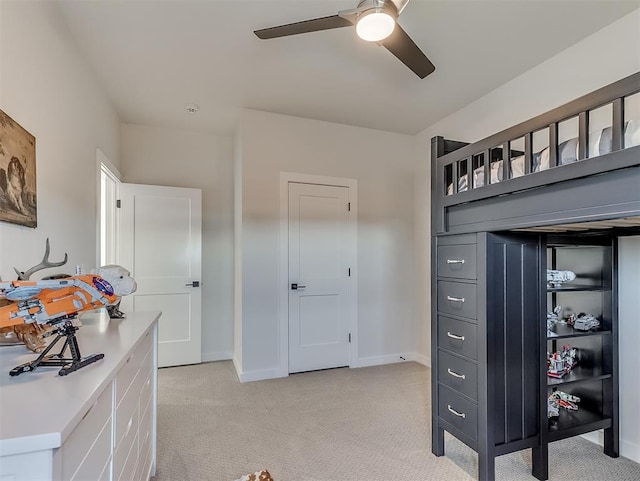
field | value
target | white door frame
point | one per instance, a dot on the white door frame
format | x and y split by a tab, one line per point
283	270
104	165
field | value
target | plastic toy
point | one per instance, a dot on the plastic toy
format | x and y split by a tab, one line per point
561	362
55	304
557	278
552	318
559	399
585	322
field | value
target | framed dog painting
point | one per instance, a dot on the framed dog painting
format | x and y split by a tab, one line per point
17	173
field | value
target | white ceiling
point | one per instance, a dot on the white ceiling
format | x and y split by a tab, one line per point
154	56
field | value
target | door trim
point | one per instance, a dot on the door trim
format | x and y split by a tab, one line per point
283	264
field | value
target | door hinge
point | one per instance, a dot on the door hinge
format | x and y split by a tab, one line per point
118	204
349	206
349	337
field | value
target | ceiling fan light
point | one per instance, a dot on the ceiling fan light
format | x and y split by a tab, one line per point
375	25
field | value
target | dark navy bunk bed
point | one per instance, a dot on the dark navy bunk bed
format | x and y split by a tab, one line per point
504	210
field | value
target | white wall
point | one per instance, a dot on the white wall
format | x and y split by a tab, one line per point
629	287
383	164
160	156
606	56
46	87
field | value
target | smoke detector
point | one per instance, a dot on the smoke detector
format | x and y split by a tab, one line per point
192	108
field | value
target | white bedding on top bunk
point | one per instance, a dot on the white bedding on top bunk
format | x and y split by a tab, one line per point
600	143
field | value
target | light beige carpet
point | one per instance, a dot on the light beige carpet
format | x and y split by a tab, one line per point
335	425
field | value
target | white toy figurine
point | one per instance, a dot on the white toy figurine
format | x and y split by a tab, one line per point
557	278
121	281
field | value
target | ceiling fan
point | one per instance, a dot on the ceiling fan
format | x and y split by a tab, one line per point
375	21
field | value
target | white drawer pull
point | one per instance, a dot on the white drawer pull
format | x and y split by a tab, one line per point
454	336
455	299
455	374
129	424
455	261
456	413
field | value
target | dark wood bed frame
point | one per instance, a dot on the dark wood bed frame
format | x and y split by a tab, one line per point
481	221
603	187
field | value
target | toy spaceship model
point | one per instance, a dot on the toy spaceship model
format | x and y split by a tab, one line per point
559	399
52	306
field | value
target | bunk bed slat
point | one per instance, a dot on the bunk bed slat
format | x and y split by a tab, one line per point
553	145
618	125
506	160
487	167
583	135
617	90
528	153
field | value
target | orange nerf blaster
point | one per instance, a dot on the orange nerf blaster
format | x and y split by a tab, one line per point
54	300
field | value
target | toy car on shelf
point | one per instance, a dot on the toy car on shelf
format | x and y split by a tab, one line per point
586	322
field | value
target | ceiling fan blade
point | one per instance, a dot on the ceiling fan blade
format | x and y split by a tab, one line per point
315	25
400	44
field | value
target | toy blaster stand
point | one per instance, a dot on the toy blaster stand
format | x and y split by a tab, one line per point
69	365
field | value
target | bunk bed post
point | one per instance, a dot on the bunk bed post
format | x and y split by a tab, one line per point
612	434
437	225
437	186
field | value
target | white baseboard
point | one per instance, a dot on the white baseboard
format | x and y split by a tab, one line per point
216	356
628	449
419	358
392	359
379	360
259	375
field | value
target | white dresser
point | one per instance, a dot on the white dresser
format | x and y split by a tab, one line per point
95	424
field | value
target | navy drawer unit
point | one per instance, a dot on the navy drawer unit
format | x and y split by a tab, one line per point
486	337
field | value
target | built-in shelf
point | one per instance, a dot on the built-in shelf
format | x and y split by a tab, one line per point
578	374
574	423
563	331
577	288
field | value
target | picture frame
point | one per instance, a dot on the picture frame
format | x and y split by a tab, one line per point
18	198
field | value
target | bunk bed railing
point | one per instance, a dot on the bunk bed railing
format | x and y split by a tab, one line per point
449	168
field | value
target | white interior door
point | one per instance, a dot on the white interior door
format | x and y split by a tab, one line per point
160	243
318	277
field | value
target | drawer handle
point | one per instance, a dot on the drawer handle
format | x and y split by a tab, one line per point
129	424
455	261
454	336
456	413
455	299
455	374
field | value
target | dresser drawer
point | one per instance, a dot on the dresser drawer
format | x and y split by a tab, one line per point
128	446
457	261
458	374
124	421
458	336
146	393
132	365
128	470
457	298
81	440
458	411
93	464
